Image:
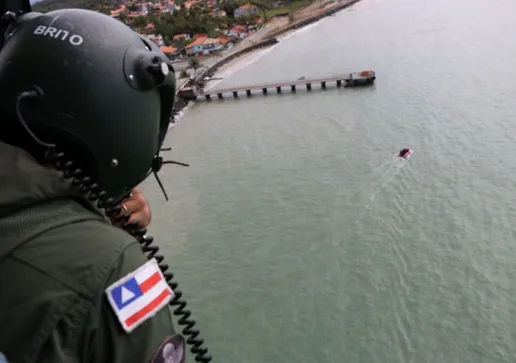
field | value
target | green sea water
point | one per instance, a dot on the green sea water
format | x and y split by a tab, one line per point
295	235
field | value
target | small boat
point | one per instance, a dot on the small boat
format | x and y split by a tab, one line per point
301	78
404	153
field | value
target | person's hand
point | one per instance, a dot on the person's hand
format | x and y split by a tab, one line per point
138	209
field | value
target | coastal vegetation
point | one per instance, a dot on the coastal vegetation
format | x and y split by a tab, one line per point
174	24
193	21
271	9
194	64
102	6
196	19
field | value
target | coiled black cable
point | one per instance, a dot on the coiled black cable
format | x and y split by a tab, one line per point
94	194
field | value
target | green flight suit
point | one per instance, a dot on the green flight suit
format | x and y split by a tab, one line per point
57	257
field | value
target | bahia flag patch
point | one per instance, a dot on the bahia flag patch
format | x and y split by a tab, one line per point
139	295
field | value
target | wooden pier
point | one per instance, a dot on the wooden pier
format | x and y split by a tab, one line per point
344	80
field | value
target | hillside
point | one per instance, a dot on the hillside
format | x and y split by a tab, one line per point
98	5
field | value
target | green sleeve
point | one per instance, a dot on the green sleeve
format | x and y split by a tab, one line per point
112	344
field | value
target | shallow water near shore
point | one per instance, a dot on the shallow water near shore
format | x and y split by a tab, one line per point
295	235
235	66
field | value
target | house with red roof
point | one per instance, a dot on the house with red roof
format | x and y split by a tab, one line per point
169	50
203	45
238	31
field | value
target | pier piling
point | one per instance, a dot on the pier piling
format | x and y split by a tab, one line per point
342	80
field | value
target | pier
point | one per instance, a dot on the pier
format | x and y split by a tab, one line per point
344	80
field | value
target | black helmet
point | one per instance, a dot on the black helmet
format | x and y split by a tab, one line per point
98	89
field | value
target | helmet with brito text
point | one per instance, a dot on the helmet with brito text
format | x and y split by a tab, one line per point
85	83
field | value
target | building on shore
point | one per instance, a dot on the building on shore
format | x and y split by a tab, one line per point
203	46
156	39
238	31
170	51
244	10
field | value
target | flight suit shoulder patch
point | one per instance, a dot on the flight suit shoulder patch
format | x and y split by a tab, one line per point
139	295
172	350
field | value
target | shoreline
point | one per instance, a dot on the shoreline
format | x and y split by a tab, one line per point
313	19
267	41
181	103
210	72
228	67
286	29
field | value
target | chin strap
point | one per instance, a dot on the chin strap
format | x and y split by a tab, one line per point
157	164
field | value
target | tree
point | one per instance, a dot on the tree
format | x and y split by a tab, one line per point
229	7
104	11
263	6
213	33
180	43
247	20
194	63
96	5
131	6
140	22
183	74
193	21
291	12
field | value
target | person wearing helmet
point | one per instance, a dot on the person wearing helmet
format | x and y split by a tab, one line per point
86	104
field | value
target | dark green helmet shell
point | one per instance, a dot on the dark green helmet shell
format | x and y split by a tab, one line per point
107	92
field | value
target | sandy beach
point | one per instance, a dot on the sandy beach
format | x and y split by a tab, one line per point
231	67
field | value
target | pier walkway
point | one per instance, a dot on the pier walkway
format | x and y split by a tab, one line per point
350	79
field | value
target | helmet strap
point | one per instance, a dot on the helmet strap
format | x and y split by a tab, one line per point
156	166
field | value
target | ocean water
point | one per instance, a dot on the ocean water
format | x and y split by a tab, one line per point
297	237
